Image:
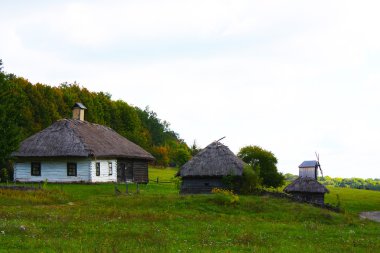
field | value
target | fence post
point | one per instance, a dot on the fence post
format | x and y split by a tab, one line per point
116	190
157	180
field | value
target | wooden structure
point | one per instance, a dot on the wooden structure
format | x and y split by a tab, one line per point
74	150
206	170
306	187
309	169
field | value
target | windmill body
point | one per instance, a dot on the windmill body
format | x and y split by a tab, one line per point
309	169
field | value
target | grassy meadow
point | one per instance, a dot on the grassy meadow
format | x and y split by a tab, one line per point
91	218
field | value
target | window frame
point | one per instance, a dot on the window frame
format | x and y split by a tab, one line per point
97	169
75	169
32	167
110	170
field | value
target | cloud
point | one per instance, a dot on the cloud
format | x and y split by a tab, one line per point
294	77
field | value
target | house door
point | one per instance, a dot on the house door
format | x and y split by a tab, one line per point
129	171
121	175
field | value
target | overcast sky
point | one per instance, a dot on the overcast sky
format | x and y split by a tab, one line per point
293	77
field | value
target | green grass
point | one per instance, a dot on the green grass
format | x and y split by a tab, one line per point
91	218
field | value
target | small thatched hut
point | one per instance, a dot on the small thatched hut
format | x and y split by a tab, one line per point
206	170
308	190
74	150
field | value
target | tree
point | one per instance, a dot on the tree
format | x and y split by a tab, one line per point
182	155
27	108
195	148
266	161
162	156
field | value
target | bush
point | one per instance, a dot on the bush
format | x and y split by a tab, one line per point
249	182
4	175
251	179
225	197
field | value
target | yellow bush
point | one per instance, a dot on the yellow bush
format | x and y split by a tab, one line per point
226	197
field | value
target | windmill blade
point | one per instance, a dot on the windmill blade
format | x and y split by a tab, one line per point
320	168
318	163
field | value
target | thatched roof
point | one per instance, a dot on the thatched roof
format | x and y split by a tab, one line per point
214	160
306	184
75	138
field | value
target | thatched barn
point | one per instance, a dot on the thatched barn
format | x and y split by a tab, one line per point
306	187
206	170
308	190
74	150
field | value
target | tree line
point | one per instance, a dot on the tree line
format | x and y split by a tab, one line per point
356	183
27	108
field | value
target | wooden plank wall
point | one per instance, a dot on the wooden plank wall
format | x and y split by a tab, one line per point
200	185
53	171
140	171
307	172
104	174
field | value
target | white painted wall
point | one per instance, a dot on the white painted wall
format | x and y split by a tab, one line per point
308	172
104	175
53	171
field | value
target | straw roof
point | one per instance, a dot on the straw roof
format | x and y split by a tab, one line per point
306	184
75	138
214	160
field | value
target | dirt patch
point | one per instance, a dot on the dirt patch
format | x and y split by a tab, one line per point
375	216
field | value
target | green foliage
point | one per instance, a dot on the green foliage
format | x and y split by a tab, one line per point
250	180
266	162
195	148
225	197
45	184
26	109
248	183
356	183
181	155
4	175
290	177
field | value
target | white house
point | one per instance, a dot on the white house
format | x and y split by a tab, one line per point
74	150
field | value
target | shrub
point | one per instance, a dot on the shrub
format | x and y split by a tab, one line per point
4	175
225	197
251	180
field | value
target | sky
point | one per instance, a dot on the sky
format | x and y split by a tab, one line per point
294	77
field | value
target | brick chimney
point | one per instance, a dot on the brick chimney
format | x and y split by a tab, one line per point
78	111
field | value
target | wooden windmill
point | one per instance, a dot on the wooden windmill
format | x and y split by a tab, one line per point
306	187
310	168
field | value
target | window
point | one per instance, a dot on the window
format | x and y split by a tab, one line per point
97	169
71	169
110	168
35	169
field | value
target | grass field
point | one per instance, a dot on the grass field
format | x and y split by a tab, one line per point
91	218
